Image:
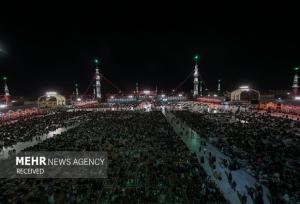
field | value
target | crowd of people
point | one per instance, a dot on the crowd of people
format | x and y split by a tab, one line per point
148	163
25	129
267	147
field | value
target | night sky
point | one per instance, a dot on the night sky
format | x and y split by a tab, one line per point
55	50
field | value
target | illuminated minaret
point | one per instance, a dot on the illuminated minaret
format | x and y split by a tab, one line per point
219	86
137	89
196	75
98	84
6	91
94	90
201	89
295	82
76	90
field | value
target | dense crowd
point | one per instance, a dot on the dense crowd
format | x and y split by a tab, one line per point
267	147
148	163
25	129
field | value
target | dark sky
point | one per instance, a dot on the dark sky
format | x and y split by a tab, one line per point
54	50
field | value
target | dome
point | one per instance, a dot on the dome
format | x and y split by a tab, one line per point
51	100
244	93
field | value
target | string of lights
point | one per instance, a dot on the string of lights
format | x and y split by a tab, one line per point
182	82
110	82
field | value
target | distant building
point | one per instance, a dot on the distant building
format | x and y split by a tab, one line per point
14	112
124	99
51	100
268	95
172	98
210	100
291	106
146	95
245	94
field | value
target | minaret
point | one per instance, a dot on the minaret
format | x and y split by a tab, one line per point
219	86
196	75
76	90
94	90
295	82
98	84
201	89
6	91
137	89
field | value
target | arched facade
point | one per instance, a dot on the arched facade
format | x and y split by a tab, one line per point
51	101
245	94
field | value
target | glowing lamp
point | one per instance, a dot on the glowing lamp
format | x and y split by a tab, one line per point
3	105
244	87
297	98
51	93
147	92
